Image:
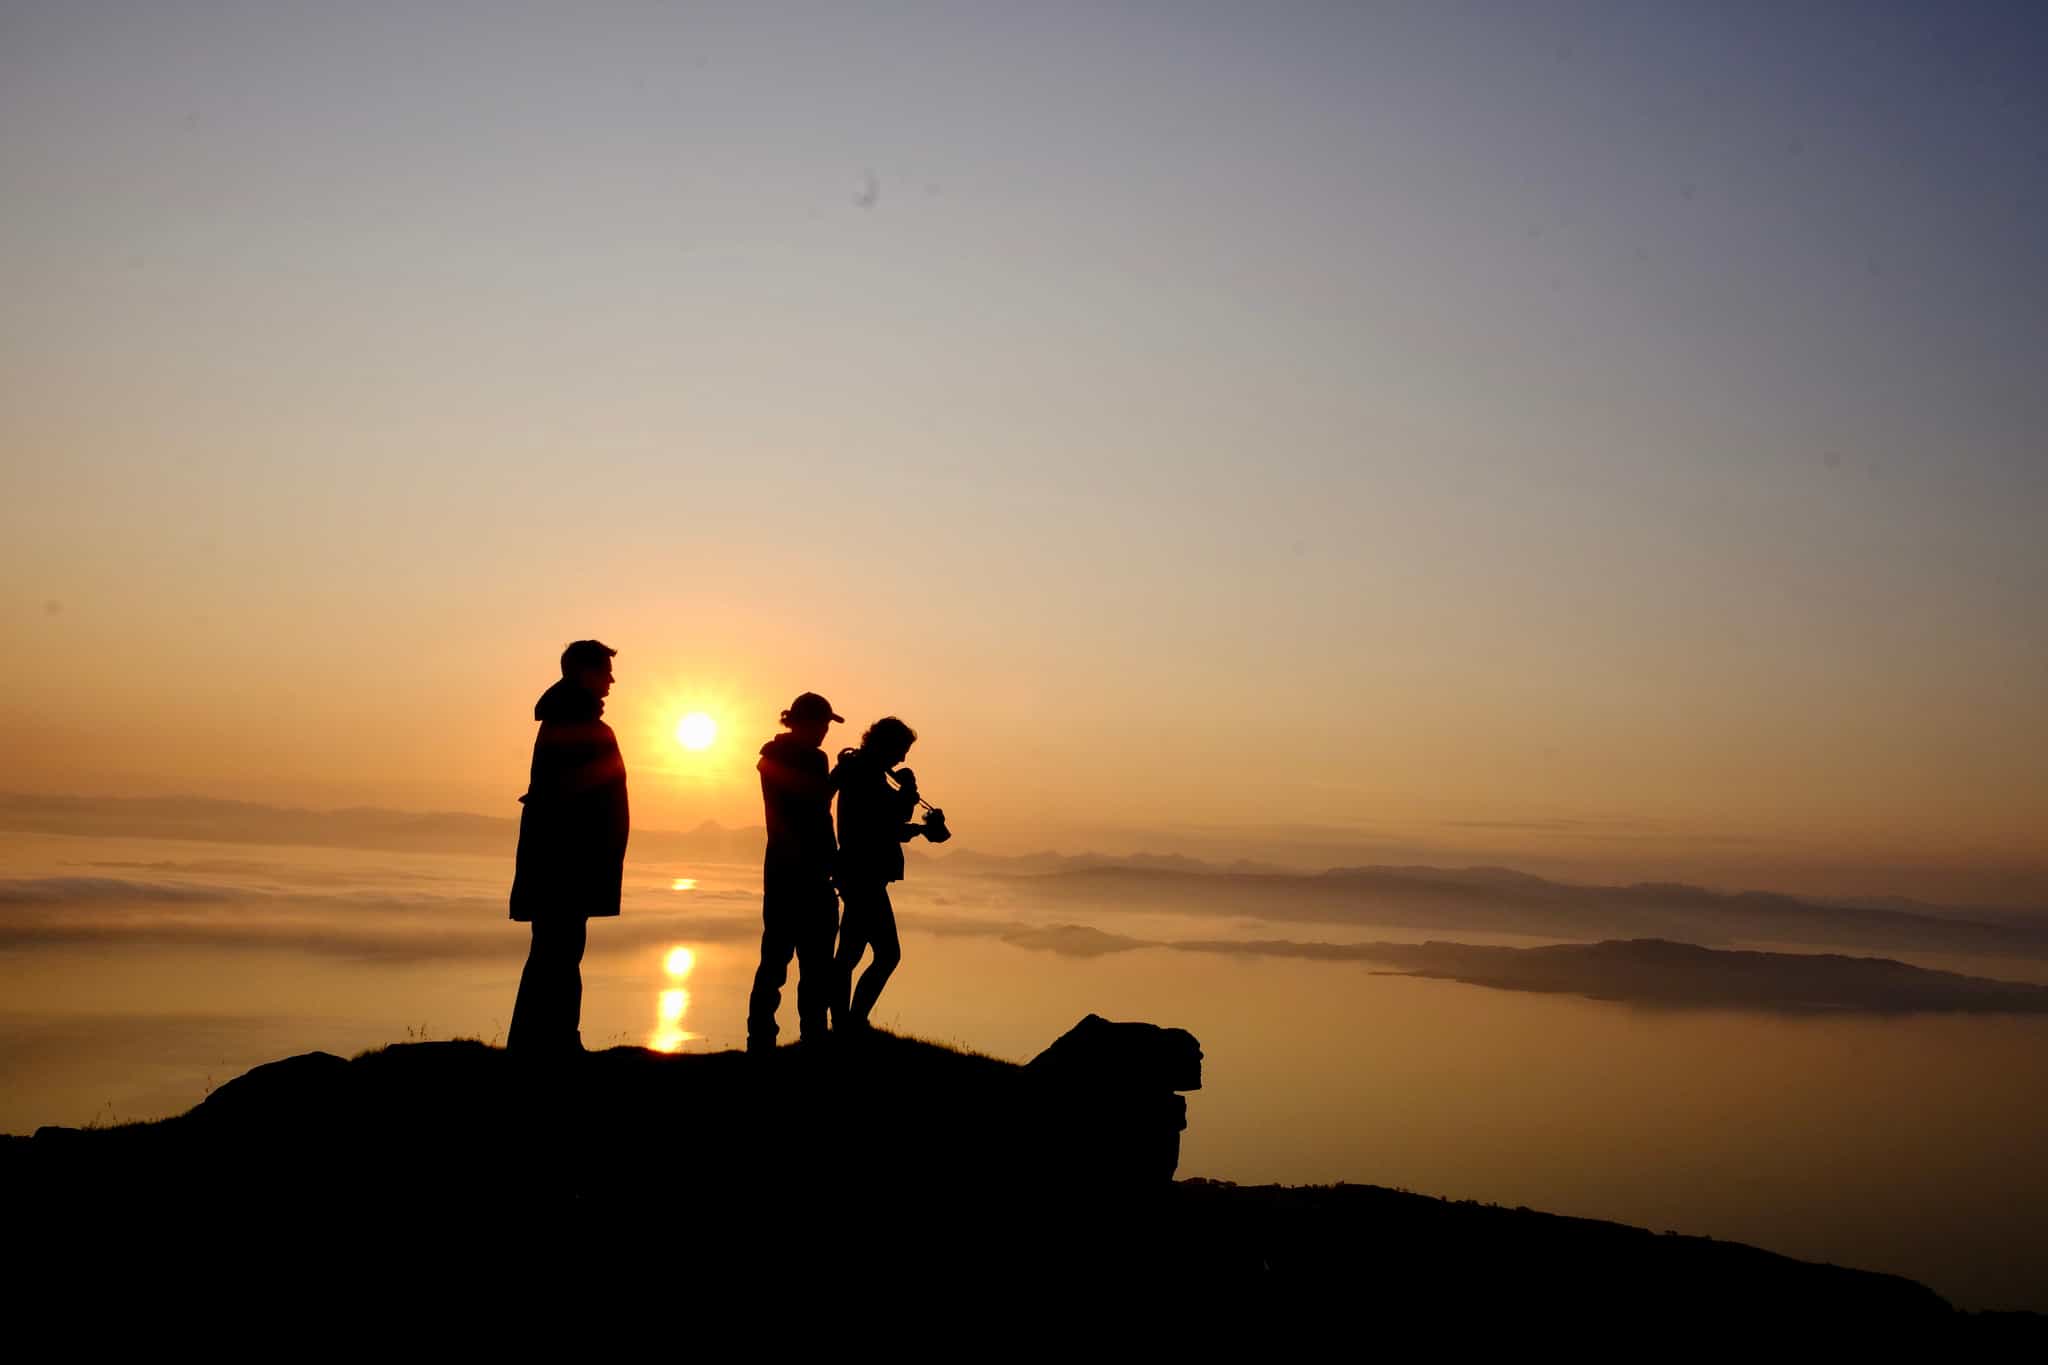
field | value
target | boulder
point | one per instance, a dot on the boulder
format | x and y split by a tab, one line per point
1105	1109
1098	1051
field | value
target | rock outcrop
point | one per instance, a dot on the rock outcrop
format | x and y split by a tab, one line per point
1104	1099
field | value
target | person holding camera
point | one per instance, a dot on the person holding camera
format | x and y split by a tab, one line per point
874	824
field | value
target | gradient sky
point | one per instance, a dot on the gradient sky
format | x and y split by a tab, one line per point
1608	433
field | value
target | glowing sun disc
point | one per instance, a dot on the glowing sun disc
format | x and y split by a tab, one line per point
696	731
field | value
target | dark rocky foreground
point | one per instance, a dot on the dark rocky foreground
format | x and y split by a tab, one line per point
885	1177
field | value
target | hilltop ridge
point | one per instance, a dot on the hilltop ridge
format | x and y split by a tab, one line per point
955	1174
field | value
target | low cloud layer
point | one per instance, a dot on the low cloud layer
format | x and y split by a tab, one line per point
394	919
108	891
379	924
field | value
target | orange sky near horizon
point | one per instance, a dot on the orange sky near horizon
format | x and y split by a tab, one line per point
1111	760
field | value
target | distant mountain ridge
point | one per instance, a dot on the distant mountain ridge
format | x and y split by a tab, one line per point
1503	901
1648	972
1047	862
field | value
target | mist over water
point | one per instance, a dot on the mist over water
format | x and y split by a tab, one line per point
138	973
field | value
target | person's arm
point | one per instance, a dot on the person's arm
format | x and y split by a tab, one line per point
902	796
902	800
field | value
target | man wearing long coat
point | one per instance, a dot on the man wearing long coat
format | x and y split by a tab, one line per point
572	848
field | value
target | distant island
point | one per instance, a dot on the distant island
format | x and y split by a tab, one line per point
1504	901
952	1185
1684	975
1651	972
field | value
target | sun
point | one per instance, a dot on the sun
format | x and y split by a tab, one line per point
696	731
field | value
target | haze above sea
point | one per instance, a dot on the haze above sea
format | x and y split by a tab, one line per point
137	974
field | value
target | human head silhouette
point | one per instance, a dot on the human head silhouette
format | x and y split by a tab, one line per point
809	717
588	664
888	740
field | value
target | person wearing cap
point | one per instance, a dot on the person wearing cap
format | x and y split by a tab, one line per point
799	908
572	848
874	824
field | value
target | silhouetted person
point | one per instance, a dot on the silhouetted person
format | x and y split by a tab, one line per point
799	910
572	847
874	824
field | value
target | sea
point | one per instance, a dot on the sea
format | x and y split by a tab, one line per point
136	975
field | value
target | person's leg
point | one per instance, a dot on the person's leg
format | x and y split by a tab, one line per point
529	1007
853	941
777	943
549	1007
888	952
570	937
814	965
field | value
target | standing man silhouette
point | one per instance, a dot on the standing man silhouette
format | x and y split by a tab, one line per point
572	848
874	824
799	910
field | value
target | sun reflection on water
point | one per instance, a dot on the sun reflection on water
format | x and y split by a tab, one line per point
673	1003
683	884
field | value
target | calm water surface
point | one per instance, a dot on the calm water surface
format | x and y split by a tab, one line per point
136	974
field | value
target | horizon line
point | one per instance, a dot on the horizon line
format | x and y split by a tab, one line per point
1132	861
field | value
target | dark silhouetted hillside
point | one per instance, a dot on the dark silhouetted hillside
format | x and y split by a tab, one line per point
933	1182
